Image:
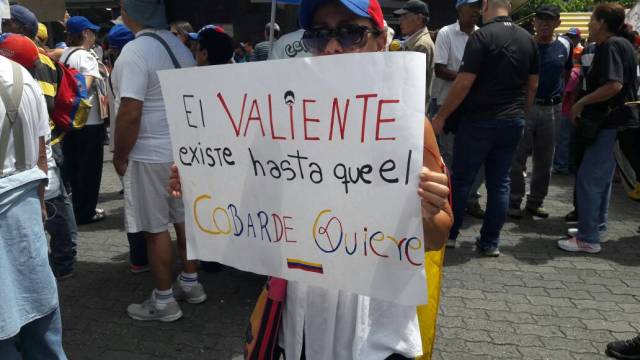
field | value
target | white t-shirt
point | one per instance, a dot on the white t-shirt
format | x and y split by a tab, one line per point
86	63
341	325
449	49
135	76
33	114
289	46
53	187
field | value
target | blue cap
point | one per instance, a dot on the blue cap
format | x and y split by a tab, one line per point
148	13
119	36
78	24
369	9
465	2
210	27
27	18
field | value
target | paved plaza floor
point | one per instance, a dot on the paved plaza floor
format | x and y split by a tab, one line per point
533	302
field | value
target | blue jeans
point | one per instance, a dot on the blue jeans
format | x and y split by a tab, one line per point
593	188
61	226
492	143
39	339
563	144
445	144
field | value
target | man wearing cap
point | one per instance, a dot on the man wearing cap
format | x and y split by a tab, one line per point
214	46
496	82
143	156
261	51
414	16
22	21
83	149
543	117
449	49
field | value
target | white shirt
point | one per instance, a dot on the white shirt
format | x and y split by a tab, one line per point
33	114
135	76
289	46
340	325
53	187
450	45
86	63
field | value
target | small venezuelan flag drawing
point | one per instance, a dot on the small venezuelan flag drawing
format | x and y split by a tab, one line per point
304	265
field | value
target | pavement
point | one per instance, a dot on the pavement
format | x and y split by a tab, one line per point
533	302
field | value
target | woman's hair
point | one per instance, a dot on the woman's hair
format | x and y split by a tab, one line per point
613	16
183	27
74	39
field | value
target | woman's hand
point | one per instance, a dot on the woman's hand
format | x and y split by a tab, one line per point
434	192
175	186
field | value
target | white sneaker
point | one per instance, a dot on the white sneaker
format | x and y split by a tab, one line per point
576	245
573	232
451	244
149	311
195	295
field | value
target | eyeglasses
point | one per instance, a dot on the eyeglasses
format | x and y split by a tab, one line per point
349	36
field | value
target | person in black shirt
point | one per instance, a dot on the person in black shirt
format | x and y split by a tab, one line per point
497	80
610	83
544	116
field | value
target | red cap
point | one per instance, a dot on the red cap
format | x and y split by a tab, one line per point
365	8
20	49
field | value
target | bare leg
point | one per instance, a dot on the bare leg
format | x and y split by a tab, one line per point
188	266
160	258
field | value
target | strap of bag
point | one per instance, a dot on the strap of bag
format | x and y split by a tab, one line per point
12	122
176	64
66	61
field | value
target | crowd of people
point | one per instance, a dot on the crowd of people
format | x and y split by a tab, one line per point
496	95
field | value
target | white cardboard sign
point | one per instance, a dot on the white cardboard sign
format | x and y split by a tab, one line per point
306	169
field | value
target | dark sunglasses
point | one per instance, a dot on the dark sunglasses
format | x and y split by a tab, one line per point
349	36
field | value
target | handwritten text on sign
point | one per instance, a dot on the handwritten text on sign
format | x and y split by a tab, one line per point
306	169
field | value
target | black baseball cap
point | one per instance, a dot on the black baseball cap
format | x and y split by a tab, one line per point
548	10
413	6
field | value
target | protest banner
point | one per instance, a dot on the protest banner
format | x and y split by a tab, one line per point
306	169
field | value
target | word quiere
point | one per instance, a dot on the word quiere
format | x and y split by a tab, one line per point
256	113
330	236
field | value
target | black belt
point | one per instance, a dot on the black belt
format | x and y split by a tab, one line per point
549	101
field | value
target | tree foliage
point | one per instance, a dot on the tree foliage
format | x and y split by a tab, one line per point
569	5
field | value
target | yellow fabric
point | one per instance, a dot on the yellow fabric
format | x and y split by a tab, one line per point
428	314
48	89
46	61
43	33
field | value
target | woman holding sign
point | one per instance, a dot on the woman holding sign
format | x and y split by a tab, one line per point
331	324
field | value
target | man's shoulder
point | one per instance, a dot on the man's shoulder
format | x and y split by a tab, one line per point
262	45
424	41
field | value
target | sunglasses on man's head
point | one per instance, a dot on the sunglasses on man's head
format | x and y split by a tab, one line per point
349	36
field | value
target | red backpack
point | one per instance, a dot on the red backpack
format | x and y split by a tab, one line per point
72	106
